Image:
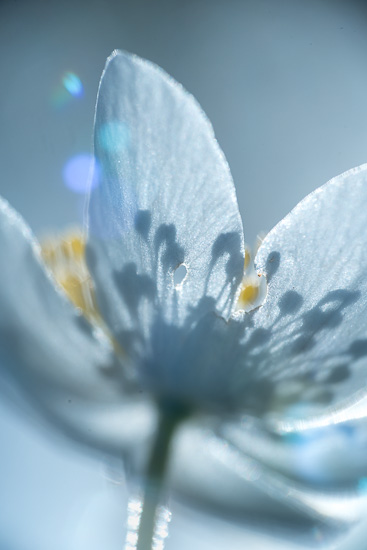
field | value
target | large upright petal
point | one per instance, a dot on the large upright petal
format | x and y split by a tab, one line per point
313	325
53	354
165	198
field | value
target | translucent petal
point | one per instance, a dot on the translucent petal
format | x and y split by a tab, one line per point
164	226
53	354
356	540
330	458
225	477
312	328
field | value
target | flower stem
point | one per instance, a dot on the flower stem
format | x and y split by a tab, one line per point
170	418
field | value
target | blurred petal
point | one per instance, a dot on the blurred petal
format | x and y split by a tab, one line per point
356	539
214	470
165	199
54	354
312	327
318	458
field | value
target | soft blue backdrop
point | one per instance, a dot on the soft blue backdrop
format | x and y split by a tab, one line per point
284	83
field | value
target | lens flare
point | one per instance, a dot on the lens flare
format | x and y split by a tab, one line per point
81	173
114	136
362	486
68	88
73	84
317	534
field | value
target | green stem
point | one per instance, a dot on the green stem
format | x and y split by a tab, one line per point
168	422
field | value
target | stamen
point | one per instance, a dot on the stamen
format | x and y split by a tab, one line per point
249	293
253	287
65	257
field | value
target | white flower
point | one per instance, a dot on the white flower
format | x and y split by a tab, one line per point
166	254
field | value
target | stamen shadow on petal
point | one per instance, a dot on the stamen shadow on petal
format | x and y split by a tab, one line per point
173	254
227	245
272	264
290	302
328	312
296	353
358	348
143	222
134	287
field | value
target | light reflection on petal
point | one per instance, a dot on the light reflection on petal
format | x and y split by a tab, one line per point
355	409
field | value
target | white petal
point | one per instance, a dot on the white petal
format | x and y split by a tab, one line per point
217	472
165	198
356	540
52	352
331	458
313	355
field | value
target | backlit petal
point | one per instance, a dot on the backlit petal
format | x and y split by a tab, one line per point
165	199
313	352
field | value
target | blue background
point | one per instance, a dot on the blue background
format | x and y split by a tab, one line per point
284	84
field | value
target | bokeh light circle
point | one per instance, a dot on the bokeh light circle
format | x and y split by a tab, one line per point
81	173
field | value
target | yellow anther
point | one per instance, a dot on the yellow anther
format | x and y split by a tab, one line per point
65	257
73	247
253	288
66	261
249	295
75	289
77	245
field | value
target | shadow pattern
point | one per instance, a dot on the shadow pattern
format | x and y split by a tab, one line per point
234	365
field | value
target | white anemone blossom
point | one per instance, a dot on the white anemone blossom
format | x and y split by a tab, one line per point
262	409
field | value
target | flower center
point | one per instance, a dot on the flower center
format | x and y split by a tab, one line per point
65	257
249	292
253	286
